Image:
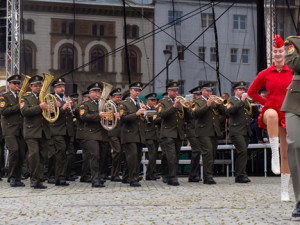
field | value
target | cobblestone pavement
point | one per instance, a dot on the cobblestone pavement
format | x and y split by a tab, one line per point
154	203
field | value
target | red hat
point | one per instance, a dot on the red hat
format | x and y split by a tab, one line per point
278	42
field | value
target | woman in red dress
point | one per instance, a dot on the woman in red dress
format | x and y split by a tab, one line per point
276	79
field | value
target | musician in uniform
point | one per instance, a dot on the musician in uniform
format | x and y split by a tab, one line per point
133	131
62	132
172	129
36	131
94	133
12	128
194	142
208	129
85	169
151	138
240	114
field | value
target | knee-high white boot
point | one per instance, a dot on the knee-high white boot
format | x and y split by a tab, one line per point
285	178
275	164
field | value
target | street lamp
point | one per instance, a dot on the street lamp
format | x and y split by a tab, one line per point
167	54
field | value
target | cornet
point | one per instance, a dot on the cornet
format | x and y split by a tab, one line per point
185	103
219	100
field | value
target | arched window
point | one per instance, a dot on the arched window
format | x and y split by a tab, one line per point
30	26
98	65
134	31
102	30
71	28
64	28
66	58
26	58
94	29
132	62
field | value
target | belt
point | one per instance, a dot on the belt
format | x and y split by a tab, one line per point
296	77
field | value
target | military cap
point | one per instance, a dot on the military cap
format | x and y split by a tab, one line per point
240	84
196	90
208	86
94	86
151	96
125	94
36	79
58	81
172	86
14	78
278	42
136	85
85	94
74	96
165	94
116	91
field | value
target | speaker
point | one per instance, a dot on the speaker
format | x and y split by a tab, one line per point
70	89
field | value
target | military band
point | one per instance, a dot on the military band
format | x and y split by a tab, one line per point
151	124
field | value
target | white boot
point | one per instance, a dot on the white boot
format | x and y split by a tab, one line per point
275	164
285	178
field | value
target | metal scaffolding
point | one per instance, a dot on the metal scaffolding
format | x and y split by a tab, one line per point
270	27
13	38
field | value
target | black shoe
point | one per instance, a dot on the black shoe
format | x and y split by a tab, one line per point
209	180
125	181
150	178
75	177
156	177
39	186
98	185
139	179
62	183
26	175
19	184
173	182
0	179
85	180
194	179
70	179
242	180
115	179
135	184
165	179
44	178
296	212
12	182
51	180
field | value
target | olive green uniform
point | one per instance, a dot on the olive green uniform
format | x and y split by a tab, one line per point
12	128
208	130
292	109
95	136
171	133
36	134
240	117
132	136
62	133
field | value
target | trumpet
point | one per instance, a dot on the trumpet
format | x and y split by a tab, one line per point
218	100
185	103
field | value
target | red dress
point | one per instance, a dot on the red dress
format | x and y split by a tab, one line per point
276	85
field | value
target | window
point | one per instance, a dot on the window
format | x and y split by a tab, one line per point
180	50
207	20
94	29
132	62
64	28
134	31
66	58
174	17
98	60
239	22
71	28
169	47
201	53
102	30
26	58
233	54
213	56
29	26
245	56
2	59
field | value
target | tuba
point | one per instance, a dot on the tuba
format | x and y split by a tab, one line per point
24	86
110	121
51	114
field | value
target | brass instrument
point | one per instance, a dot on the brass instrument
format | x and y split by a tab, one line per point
219	100
185	103
51	114
24	87
110	121
70	108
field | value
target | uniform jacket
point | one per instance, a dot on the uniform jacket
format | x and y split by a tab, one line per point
116	132
12	120
132	126
207	118
80	124
239	119
172	119
292	59
64	124
89	114
190	124
151	128
34	122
